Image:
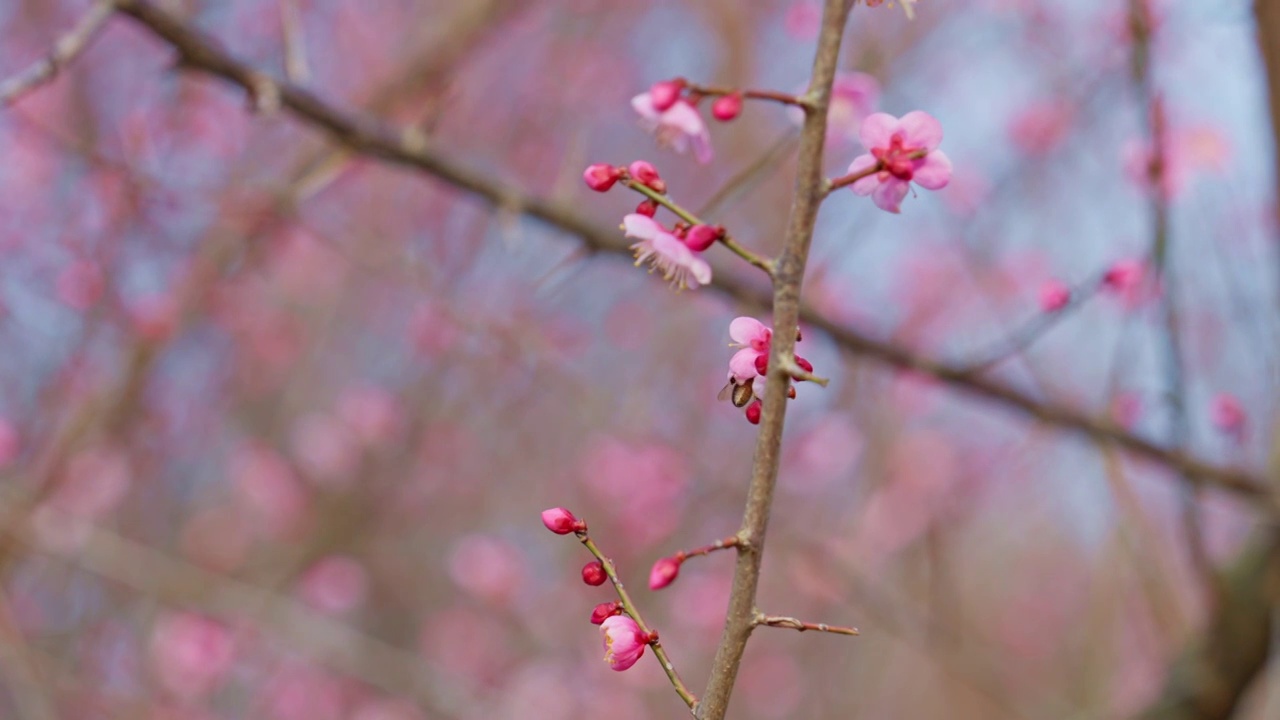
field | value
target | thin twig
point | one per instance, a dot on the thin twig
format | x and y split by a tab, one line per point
758	261
1020	339
66	49
780	621
629	605
367	136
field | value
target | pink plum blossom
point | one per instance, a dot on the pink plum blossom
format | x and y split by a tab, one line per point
665	253
755	338
679	127
854	96
624	642
906	150
562	522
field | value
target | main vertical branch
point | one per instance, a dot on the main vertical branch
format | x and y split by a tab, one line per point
787	279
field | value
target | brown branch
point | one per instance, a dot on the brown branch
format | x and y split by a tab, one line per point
779	621
788	276
371	138
67	48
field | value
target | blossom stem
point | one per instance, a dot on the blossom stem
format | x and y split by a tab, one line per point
834	184
721	544
780	621
630	607
763	263
770	95
800	373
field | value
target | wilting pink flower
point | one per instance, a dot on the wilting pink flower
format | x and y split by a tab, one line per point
1054	295
665	253
593	573
906	149
664	573
561	521
727	107
192	653
604	611
624	643
1228	414
754	337
678	127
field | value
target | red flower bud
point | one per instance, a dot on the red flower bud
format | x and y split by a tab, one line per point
804	364
647	175
605	610
727	107
762	363
666	93
664	573
701	237
593	573
601	176
561	521
753	412
648	208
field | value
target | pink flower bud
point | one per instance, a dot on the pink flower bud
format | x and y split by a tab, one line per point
601	176
593	573
1124	275
1227	414
624	642
561	521
701	237
1054	296
604	611
664	573
805	365
753	412
727	107
762	363
646	174
665	94
648	208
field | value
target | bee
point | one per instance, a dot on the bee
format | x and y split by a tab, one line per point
741	394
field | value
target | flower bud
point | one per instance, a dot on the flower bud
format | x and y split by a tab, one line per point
805	365
753	412
727	107
666	93
1054	296
1228	414
648	208
601	176
664	573
593	573
646	174
604	611
561	521
701	237
762	363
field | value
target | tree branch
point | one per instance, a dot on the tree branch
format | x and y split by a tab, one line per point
200	52
66	49
788	275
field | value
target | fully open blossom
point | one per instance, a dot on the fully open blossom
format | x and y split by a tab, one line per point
624	642
906	150
666	253
679	127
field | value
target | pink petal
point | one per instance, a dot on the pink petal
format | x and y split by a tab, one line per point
642	227
934	171
702	147
683	117
643	104
877	130
890	194
700	269
867	184
920	129
746	330
742	366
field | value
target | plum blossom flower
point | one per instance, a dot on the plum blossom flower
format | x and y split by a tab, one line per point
624	642
906	150
665	253
678	127
755	338
854	96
